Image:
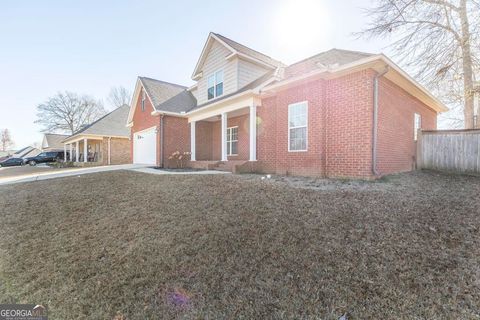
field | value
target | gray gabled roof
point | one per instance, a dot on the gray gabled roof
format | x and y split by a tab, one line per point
26	152
31	153
110	125
324	59
54	140
168	96
250	52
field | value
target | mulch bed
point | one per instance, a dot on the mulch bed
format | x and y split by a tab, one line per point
128	245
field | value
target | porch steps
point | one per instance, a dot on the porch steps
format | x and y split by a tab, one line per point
229	166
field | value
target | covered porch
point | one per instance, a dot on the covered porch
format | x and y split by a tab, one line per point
86	149
225	133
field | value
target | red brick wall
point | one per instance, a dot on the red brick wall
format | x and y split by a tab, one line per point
349	121
176	137
272	144
396	146
339	128
204	140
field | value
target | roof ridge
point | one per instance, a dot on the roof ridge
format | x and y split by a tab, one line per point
222	36
164	82
329	50
56	134
355	51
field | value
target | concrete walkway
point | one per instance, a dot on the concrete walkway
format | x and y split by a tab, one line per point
67	172
163	172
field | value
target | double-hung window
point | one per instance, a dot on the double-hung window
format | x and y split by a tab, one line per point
215	85
417	124
232	141
298	126
143	100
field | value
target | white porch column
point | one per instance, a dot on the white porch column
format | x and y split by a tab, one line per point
65	152
253	132
224	136
71	152
77	146
193	124
85	150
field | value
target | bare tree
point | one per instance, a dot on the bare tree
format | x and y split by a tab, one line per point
6	141
119	96
438	40
68	112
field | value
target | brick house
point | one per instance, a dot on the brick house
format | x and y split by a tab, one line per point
337	114
103	142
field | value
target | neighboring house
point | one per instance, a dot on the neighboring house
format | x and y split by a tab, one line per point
26	152
336	114
53	142
105	141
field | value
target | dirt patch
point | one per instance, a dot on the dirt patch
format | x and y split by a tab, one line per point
133	246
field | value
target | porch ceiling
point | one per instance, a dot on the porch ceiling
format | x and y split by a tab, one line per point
232	108
231	114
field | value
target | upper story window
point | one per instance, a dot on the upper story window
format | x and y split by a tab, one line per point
417	124
298	126
143	99
215	85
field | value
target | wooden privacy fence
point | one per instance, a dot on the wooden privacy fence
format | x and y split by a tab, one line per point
452	150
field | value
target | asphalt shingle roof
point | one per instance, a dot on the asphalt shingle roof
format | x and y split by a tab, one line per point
250	52
167	96
54	140
175	98
112	124
330	57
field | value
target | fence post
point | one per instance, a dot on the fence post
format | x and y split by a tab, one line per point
419	153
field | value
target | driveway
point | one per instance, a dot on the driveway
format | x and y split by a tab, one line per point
8	172
11	175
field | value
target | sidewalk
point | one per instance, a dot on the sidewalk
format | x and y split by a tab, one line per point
68	172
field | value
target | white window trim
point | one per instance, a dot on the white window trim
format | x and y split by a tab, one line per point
214	74
144	98
230	142
289	128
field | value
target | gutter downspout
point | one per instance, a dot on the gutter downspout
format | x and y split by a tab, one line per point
375	120
161	141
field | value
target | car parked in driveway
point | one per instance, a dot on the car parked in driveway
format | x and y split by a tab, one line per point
45	157
11	162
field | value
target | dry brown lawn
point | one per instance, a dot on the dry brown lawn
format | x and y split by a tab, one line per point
135	246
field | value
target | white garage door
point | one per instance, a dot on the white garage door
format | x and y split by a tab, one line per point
145	147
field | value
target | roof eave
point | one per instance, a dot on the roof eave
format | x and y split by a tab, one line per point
434	103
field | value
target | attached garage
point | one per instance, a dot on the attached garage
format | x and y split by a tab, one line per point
157	108
145	146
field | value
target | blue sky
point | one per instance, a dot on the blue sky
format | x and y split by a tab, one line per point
90	46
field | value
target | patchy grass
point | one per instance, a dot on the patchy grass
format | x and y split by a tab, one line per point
134	246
